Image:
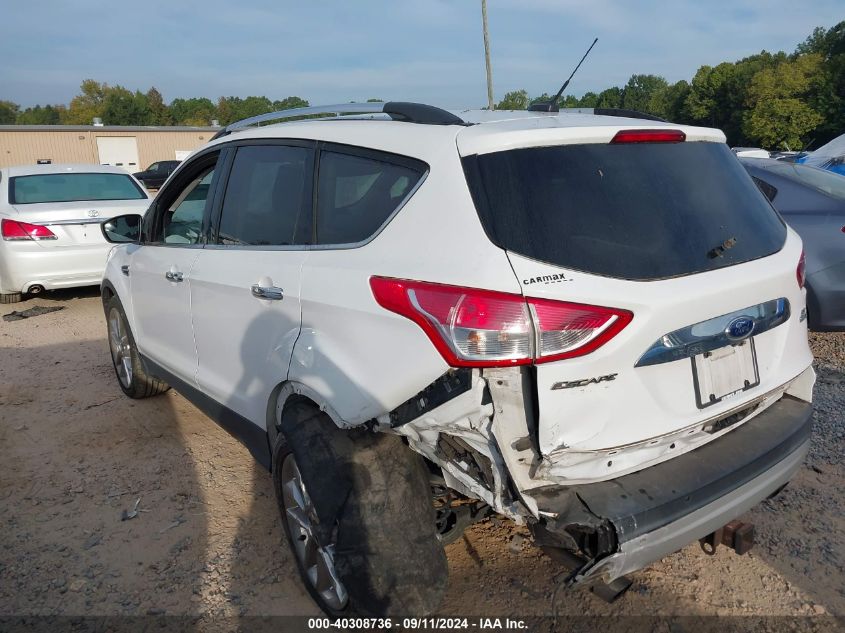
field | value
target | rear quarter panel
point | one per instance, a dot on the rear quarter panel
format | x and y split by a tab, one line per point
361	360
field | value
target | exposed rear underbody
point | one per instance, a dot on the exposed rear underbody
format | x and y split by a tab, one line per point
476	425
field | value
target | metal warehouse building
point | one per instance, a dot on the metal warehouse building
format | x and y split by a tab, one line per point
132	148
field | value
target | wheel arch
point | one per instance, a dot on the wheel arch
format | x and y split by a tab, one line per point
289	392
107	291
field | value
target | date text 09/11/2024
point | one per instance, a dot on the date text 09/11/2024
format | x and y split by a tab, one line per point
410	624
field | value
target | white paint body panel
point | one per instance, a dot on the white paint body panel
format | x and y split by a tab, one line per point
162	309
646	402
244	343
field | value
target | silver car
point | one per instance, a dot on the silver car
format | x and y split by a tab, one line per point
50	224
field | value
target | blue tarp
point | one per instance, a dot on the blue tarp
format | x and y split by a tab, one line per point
830	156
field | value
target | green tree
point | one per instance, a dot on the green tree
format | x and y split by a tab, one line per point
718	96
514	100
676	97
610	98
589	100
290	102
8	112
779	115
87	105
827	95
646	93
543	98
195	111
123	107
38	115
159	113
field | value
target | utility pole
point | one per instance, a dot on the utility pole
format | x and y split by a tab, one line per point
490	104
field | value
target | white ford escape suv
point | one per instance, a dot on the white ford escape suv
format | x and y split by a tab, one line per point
591	324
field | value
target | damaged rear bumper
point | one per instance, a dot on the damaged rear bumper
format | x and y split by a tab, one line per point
624	524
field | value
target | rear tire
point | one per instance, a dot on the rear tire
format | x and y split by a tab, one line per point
11	297
131	375
371	503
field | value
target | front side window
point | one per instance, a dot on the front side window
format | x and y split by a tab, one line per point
154	167
268	197
72	187
356	195
182	218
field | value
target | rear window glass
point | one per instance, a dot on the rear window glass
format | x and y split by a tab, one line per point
72	188
825	181
635	211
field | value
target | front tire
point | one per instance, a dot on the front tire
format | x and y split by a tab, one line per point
370	508
131	375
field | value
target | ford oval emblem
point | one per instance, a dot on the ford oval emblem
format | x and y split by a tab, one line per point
740	328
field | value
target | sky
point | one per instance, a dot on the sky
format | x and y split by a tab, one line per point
425	50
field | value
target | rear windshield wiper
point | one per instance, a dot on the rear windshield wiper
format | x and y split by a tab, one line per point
713	253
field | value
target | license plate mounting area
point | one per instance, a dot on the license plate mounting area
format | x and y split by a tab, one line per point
723	373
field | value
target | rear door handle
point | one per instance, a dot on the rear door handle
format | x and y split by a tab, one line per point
173	275
273	293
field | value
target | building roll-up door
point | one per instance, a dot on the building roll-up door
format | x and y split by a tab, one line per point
119	151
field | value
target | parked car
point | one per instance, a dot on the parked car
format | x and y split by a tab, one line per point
750	152
50	224
830	156
590	324
812	201
154	176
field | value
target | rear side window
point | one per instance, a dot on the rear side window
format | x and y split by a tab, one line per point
631	211
268	197
770	191
356	194
72	187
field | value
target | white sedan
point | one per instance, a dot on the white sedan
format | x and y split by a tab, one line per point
50	224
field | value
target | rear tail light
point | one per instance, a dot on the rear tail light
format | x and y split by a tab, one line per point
800	272
566	329
648	136
13	230
481	328
470	328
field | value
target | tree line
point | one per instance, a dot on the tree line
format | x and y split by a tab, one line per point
116	105
774	100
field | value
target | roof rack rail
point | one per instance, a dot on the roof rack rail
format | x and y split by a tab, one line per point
620	112
396	110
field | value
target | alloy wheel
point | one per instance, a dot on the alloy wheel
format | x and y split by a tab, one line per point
121	348
314	557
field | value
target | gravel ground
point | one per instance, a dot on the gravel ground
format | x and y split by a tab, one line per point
75	453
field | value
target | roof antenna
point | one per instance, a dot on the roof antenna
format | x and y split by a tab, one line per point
551	106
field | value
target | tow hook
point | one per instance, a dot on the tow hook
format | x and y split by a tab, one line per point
737	535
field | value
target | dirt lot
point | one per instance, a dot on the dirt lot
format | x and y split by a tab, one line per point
74	453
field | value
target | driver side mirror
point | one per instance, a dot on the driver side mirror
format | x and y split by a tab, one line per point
122	229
